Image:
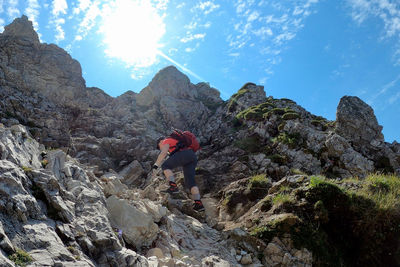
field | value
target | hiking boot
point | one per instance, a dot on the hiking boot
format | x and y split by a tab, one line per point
173	188
198	205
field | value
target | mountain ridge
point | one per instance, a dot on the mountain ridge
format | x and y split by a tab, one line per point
74	158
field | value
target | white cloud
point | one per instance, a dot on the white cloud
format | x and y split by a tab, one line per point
262	80
263	32
191	26
253	16
32	11
180	5
384	90
1	6
207	7
82	6
394	98
59	6
89	19
387	11
189	49
234	54
207	25
12	10
1	25
161	4
191	37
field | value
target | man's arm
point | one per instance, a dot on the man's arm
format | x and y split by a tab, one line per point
162	155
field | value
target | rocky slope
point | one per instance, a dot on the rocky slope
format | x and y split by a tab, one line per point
74	165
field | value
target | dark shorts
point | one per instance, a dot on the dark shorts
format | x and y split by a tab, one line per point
187	160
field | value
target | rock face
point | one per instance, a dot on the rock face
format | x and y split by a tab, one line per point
351	116
22	28
75	164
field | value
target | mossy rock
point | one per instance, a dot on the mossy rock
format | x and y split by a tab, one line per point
292	140
276	111
281	126
246	85
288	100
277	225
290	116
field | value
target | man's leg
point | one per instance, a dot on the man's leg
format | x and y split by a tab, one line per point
169	175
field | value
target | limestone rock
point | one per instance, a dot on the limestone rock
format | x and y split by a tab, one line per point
356	121
137	226
22	28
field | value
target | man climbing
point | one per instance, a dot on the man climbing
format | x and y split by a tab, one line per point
181	153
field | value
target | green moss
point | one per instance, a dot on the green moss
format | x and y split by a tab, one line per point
290	116
288	100
320	123
259	181
297	172
292	140
246	85
26	169
235	97
281	126
44	163
282	198
20	257
276	111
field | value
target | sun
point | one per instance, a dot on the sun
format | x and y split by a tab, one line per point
132	31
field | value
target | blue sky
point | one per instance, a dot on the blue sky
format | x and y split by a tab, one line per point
311	51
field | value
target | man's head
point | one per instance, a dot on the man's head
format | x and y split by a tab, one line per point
159	142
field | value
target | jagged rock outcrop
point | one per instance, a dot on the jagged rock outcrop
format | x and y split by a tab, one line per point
23	29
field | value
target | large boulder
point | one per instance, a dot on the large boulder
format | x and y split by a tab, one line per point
356	121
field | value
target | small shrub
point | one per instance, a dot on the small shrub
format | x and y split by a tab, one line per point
259	181
44	163
290	116
21	257
26	169
292	140
281	199
277	111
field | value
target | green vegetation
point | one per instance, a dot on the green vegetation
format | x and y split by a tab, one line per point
44	163
276	111
235	97
297	172
259	181
26	169
288	100
281	198
351	222
255	113
366	217
292	140
20	257
290	116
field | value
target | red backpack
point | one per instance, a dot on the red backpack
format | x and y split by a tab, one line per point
185	139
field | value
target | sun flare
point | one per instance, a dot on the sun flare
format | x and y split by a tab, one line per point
132	31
